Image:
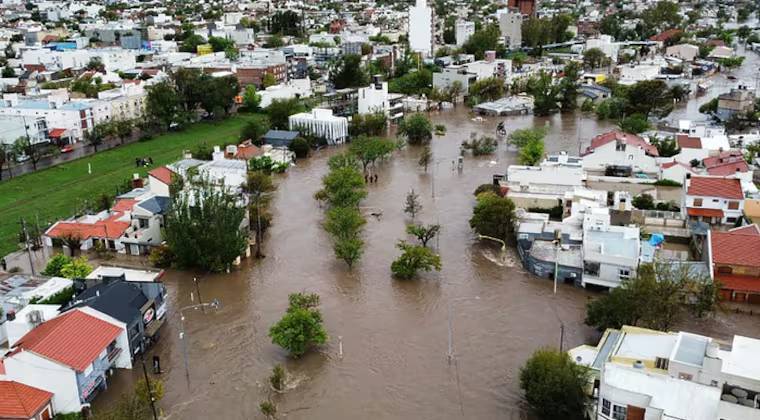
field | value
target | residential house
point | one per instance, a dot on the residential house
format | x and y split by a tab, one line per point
675	171
17	291
376	99
159	181
23	402
34	128
294	88
736	262
69	357
685	52
713	200
730	163
542	186
610	253
645	374
616	153
738	101
74	117
135	297
458	73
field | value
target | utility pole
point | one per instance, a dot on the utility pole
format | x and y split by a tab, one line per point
150	390
198	292
26	245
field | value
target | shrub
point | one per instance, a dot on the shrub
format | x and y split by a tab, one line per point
300	147
55	265
668	183
161	256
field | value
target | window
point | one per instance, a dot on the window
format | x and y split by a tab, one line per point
661	363
733	205
619	412
606	407
697	202
144	223
685	376
725	270
730	219
630	157
624	274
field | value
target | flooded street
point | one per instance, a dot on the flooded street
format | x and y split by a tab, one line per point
394	333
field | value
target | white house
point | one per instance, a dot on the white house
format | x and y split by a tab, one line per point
675	171
69	356
606	44
73	117
293	88
639	373
621	150
610	253
421	28
713	200
542	186
686	52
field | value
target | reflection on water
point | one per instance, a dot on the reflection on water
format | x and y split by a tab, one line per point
394	333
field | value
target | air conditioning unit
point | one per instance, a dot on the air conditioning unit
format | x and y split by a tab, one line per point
34	317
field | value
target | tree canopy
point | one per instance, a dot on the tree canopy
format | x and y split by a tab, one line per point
413	259
416	128
347	72
554	385
301	328
493	216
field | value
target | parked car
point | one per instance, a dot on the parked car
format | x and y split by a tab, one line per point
22	158
68	148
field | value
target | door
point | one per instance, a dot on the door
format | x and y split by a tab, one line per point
134	249
635	413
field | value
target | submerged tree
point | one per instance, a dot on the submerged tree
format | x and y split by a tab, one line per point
493	216
412	204
554	385
423	233
413	259
301	327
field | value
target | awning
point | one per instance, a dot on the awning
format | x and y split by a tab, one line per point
691	211
57	133
739	283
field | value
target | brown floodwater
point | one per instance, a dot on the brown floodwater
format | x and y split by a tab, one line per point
393	333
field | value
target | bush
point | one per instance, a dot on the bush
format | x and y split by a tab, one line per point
487	188
643	202
301	326
300	147
413	259
554	385
55	265
668	183
59	298
161	256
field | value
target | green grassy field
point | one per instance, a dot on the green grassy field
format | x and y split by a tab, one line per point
55	193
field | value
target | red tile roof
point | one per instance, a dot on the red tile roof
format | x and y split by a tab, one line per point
18	400
162	174
715	187
726	163
2	367
56	133
736	247
668	165
739	283
110	228
698	211
627	138
74	339
666	35
124	204
247	151
686	142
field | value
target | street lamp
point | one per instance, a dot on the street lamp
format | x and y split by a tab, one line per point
450	354
215	304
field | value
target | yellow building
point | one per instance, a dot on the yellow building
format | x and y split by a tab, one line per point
205	49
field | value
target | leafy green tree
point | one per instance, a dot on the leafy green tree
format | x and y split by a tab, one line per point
344	187
554	385
523	136
613	108
489	89
493	216
219	93
301	328
593	58
162	104
300	147
203	227
569	87
8	72
251	99
191	87
220	44
77	268
280	109
650	97
286	22
662	16
657	298
369	149
413	259
416	128
96	135
485	39
122	129
258	185
7	155
634	124
191	43
423	233
412	204
643	202
268	80
134	405
368	124
55	265
414	82
348	72
426	156
546	94
23	146
532	153
253	130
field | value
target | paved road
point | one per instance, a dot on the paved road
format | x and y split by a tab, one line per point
80	150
